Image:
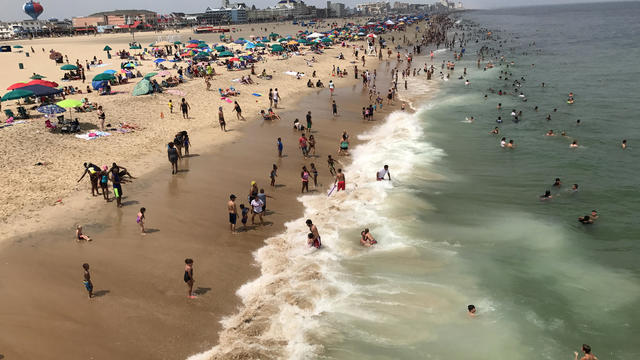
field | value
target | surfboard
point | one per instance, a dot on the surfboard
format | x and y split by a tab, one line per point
331	191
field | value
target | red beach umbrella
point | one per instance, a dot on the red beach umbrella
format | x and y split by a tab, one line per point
43	82
17	85
192	46
234	59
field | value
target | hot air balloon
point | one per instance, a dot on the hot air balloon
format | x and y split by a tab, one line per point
33	9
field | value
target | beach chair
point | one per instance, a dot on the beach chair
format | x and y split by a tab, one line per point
9	113
22	113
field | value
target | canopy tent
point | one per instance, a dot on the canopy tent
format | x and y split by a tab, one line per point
143	87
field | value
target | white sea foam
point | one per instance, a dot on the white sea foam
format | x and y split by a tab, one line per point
282	309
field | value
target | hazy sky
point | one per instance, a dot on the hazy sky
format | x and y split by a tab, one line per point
12	9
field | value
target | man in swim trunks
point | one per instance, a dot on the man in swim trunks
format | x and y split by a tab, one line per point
233	213
122	171
314	236
340	180
87	280
331	162
188	277
117	187
382	173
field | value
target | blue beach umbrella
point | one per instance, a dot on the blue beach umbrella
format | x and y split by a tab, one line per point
158	61
51	109
110	72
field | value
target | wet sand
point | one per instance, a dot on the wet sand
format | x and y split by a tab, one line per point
141	309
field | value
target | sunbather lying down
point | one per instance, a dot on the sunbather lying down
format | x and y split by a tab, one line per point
229	92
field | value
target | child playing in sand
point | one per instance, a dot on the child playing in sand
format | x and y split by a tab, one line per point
80	236
140	220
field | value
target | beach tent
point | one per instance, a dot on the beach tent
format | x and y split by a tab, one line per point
99	84
142	88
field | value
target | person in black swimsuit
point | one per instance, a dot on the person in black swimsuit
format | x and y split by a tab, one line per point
188	277
184	106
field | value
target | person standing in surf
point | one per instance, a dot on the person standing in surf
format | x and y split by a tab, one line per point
382	173
340	181
314	236
233	213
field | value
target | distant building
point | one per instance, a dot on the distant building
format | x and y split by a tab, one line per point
283	10
28	28
228	14
336	9
373	9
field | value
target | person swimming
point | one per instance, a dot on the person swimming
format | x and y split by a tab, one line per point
574	144
367	239
471	310
557	182
624	144
546	196
550	133
495	130
589	219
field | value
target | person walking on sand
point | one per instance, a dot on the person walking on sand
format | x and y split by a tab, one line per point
276	98
332	87
233	213
188	277
170	107
256	205
117	186
303	145
101	117
185	107
140	220
173	155
309	122
314	172
334	108
270	98
87	280
223	124
314	235
80	236
304	176
238	110
331	162
340	180
104	182
280	147
273	175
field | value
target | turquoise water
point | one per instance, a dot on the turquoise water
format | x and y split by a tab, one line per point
461	223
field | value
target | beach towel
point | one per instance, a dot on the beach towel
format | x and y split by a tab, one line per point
256	94
293	73
92	135
176	92
100	65
226	99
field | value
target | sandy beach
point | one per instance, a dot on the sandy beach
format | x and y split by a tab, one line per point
140	308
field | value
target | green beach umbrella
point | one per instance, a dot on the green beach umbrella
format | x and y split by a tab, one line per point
225	54
177	43
150	75
68	67
17	94
17	46
260	45
220	48
277	47
69	103
103	76
326	40
37	77
107	48
203	45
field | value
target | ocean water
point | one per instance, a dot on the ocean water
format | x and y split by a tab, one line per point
461	223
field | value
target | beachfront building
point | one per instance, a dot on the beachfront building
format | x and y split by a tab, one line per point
23	28
336	9
373	9
283	10
228	14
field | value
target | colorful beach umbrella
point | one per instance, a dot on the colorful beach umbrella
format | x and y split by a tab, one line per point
68	67
43	82
16	94
69	103
104	76
50	109
17	85
129	65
